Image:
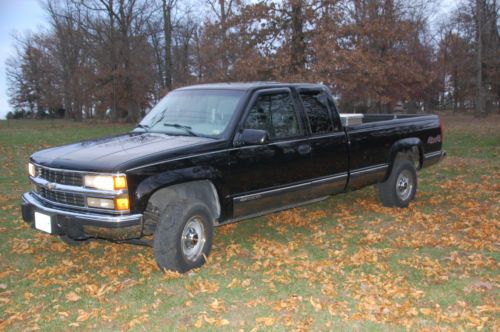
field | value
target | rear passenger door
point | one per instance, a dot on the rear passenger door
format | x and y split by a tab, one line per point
268	176
329	150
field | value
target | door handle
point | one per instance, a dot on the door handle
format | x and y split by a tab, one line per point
304	149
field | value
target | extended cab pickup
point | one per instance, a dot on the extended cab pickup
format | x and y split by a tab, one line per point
208	155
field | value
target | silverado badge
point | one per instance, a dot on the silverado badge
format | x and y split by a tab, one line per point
434	140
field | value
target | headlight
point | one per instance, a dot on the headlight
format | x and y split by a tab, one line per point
31	170
105	182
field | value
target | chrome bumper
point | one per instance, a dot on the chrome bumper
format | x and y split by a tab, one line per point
81	225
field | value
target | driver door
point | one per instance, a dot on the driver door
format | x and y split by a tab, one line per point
270	175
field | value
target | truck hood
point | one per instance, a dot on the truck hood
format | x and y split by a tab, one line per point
117	153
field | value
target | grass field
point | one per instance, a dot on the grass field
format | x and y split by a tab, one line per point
345	263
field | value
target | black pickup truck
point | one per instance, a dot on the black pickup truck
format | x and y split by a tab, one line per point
208	155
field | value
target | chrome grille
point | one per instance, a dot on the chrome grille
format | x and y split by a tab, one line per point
61	196
62	177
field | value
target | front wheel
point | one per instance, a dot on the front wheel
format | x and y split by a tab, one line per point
401	186
183	236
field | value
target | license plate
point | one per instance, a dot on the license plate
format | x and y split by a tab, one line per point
43	222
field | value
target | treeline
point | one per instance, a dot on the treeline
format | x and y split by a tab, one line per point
116	58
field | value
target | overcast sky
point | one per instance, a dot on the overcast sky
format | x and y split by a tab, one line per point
16	16
21	16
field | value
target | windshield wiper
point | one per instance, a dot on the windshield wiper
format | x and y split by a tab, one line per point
145	127
187	129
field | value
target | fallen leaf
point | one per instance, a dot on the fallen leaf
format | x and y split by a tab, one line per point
267	321
72	297
316	305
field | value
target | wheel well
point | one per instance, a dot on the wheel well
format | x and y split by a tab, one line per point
413	154
203	190
410	150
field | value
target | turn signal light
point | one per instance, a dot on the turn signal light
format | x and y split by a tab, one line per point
120	182
122	203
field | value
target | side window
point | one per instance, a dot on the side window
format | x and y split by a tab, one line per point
317	113
275	114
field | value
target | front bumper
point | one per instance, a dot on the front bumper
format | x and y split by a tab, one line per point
82	225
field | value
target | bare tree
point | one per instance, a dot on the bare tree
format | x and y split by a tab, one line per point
167	7
480	109
117	57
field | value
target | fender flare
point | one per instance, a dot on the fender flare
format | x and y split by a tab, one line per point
191	182
202	190
405	145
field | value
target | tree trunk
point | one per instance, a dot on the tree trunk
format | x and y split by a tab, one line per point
479	110
223	24
167	31
298	56
455	89
445	62
114	111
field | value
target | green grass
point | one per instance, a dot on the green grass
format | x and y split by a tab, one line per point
345	263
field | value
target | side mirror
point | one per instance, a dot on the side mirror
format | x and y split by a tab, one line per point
253	137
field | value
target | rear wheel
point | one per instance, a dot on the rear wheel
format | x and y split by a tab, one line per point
400	187
183	236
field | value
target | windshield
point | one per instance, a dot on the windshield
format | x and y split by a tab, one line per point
193	112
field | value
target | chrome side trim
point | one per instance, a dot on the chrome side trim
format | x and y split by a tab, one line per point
432	158
249	197
369	169
433	154
339	176
86	216
333	134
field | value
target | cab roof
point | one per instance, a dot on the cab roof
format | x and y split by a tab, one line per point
246	86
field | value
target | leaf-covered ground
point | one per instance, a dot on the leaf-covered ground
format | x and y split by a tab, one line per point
345	263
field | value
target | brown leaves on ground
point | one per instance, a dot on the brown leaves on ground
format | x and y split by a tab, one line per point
460	220
202	286
338	264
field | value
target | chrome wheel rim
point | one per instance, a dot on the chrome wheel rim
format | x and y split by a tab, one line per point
193	238
404	185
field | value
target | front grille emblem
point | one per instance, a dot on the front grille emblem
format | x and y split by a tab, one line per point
51	186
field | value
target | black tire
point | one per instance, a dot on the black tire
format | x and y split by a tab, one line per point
183	236
400	187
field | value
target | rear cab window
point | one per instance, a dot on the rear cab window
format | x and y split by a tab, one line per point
318	110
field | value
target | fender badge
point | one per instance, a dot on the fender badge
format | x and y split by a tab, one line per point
433	140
